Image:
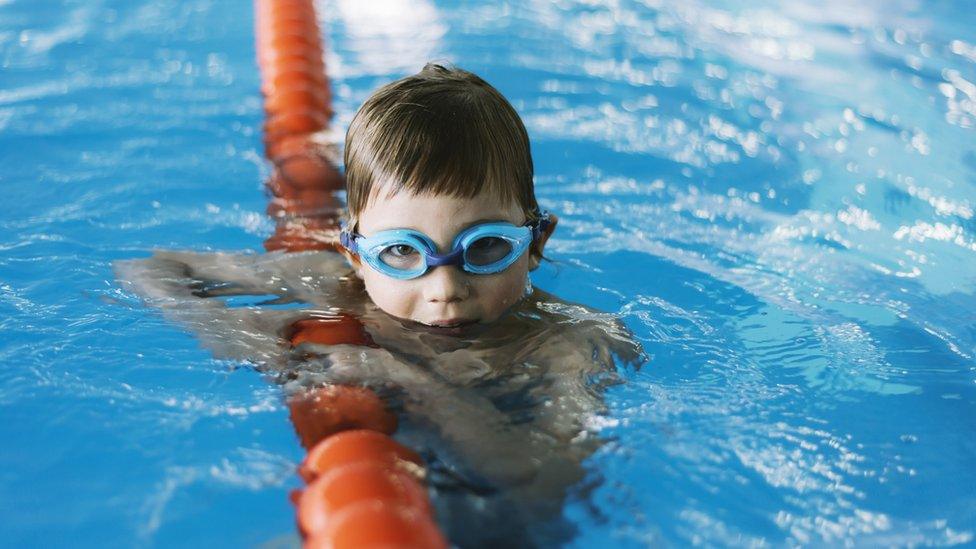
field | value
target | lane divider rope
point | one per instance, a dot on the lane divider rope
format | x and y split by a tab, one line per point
363	488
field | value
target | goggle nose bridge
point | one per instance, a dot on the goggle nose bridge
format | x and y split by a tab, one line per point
454	258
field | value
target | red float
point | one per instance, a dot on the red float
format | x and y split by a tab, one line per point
329	410
359	446
356	483
377	524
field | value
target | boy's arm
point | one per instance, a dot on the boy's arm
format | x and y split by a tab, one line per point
190	288
166	274
505	454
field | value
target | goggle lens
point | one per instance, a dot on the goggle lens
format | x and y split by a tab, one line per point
402	257
487	250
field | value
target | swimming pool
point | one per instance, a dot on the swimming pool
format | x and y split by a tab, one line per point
777	200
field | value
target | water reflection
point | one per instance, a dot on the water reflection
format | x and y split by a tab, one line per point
777	198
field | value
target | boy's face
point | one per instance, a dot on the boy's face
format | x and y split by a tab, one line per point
445	296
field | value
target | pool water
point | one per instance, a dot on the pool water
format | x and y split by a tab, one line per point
776	198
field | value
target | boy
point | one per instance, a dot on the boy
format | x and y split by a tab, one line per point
496	379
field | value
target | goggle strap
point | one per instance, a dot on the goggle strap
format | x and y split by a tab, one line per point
348	241
540	225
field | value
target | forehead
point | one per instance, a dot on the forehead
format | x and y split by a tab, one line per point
434	215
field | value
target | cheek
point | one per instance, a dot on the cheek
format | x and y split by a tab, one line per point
387	294
504	291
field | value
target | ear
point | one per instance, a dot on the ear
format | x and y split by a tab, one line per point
353	260
535	257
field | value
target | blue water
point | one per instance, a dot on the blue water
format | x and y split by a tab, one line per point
776	198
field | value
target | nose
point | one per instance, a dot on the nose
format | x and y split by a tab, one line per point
446	284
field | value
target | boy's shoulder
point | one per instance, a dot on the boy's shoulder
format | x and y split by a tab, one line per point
576	328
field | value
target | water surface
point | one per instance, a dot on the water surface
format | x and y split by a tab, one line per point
777	198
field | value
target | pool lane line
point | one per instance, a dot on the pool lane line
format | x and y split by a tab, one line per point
298	113
363	488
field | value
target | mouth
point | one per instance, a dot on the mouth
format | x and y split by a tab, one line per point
451	323
450	326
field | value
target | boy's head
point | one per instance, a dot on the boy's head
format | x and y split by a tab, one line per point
439	132
439	152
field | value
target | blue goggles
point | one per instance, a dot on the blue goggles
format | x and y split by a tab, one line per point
486	248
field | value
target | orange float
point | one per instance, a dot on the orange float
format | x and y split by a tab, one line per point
365	489
376	524
333	409
357	446
331	330
359	482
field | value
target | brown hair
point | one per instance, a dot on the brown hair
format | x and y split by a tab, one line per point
442	131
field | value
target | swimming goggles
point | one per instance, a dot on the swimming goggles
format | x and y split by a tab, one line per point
486	248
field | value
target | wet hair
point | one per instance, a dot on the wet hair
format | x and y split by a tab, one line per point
442	131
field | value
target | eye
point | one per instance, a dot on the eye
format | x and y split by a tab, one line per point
400	250
400	256
487	250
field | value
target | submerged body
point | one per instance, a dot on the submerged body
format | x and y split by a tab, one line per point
492	380
500	409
